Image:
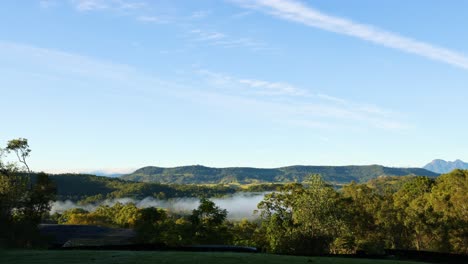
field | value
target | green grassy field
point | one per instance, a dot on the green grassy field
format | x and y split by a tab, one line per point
146	257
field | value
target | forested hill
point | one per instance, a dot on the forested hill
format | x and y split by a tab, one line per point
90	188
205	175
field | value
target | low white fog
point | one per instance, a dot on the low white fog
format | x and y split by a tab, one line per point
240	205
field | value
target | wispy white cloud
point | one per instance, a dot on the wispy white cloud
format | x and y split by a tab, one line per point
141	10
127	5
153	19
331	98
274	88
242	42
65	65
87	5
215	78
278	101
47	3
299	12
242	14
92	5
216	38
302	107
200	14
252	86
203	35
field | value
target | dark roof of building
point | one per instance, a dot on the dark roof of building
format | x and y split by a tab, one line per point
61	234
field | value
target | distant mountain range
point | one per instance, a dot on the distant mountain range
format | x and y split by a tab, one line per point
442	166
103	173
243	175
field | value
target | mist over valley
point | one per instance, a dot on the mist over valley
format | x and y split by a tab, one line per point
239	205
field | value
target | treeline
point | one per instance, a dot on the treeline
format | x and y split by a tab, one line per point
423	214
85	188
243	175
312	218
420	213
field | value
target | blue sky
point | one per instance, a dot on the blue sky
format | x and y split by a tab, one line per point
120	84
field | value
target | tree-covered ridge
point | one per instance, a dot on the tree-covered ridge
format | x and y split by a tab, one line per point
205	175
90	188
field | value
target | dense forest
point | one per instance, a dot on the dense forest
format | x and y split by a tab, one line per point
309	218
206	175
410	213
91	188
85	188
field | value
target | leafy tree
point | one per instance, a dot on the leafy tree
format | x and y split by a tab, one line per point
152	225
276	211
411	201
121	215
12	196
21	148
360	205
246	233
449	198
300	220
389	222
66	216
208	223
88	219
118	215
23	202
318	215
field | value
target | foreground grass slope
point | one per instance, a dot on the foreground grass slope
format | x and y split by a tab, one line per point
124	257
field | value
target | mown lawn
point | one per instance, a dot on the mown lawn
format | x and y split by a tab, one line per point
146	257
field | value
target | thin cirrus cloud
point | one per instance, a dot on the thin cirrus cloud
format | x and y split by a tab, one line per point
200	14
91	5
255	86
136	8
274	88
299	12
300	106
203	35
279	101
47	3
153	19
220	39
